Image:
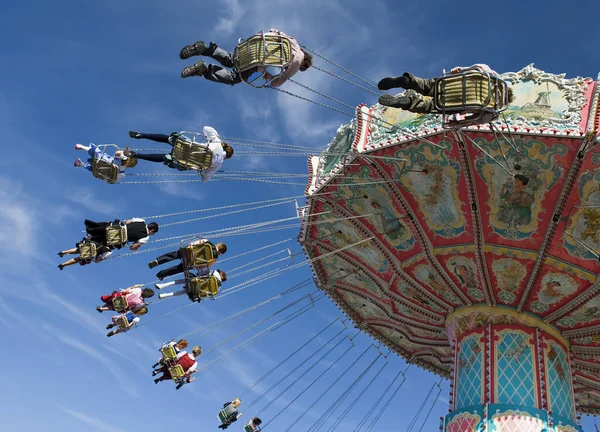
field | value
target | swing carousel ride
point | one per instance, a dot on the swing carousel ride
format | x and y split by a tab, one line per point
471	251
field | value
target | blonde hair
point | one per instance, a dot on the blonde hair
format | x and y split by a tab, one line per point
236	402
196	350
130	162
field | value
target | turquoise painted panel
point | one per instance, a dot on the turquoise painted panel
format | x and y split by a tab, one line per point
516	380
560	394
470	372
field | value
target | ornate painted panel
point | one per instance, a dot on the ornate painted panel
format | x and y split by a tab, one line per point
508	269
459	262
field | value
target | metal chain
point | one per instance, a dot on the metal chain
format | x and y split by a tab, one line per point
322	94
337	65
312	101
378	93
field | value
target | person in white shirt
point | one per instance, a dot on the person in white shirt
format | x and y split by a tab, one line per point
138	232
426	87
220	151
218	274
102	253
133	317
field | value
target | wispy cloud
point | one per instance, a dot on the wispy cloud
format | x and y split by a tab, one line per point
120	376
86	199
94	422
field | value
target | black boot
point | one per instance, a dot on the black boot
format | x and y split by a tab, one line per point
395	101
129	153
197	69
394	82
135	135
197	48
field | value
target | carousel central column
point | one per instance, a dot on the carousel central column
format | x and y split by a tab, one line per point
511	373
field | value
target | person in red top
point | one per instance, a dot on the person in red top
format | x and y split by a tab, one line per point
135	296
186	361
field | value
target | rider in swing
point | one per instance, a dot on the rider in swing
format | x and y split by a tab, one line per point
300	60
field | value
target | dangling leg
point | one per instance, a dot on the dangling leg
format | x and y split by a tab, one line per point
161	138
172	294
409	103
165	258
410	82
170	271
68	252
170	283
212	73
69	263
151	157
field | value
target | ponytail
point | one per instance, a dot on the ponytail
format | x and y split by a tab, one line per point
228	150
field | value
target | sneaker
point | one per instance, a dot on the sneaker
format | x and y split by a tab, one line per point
61	266
98	309
135	135
197	48
159	286
78	162
162	296
393	82
401	101
197	69
152	264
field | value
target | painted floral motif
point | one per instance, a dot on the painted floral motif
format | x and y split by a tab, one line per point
429	277
516	201
437	192
509	274
465	271
338	148
366	309
417	296
555	287
464	422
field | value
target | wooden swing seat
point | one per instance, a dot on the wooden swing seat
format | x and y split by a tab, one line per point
471	91
168	353
262	51
191	155
176	372
104	170
120	304
202	287
122	322
87	250
197	255
116	235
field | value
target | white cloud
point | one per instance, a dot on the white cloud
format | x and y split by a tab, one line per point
120	376
86	199
94	422
234	14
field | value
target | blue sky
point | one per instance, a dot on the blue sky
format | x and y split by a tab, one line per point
90	71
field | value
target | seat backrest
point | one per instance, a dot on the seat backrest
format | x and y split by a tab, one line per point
116	235
87	250
203	287
262	50
122	322
104	170
168	352
176	372
191	155
470	90
198	255
120	303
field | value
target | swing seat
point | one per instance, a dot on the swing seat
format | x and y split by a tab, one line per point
202	287
248	428
262	51
475	92
191	155
104	170
120	303
197	255
116	235
223	416
87	251
168	353
122	322
176	372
